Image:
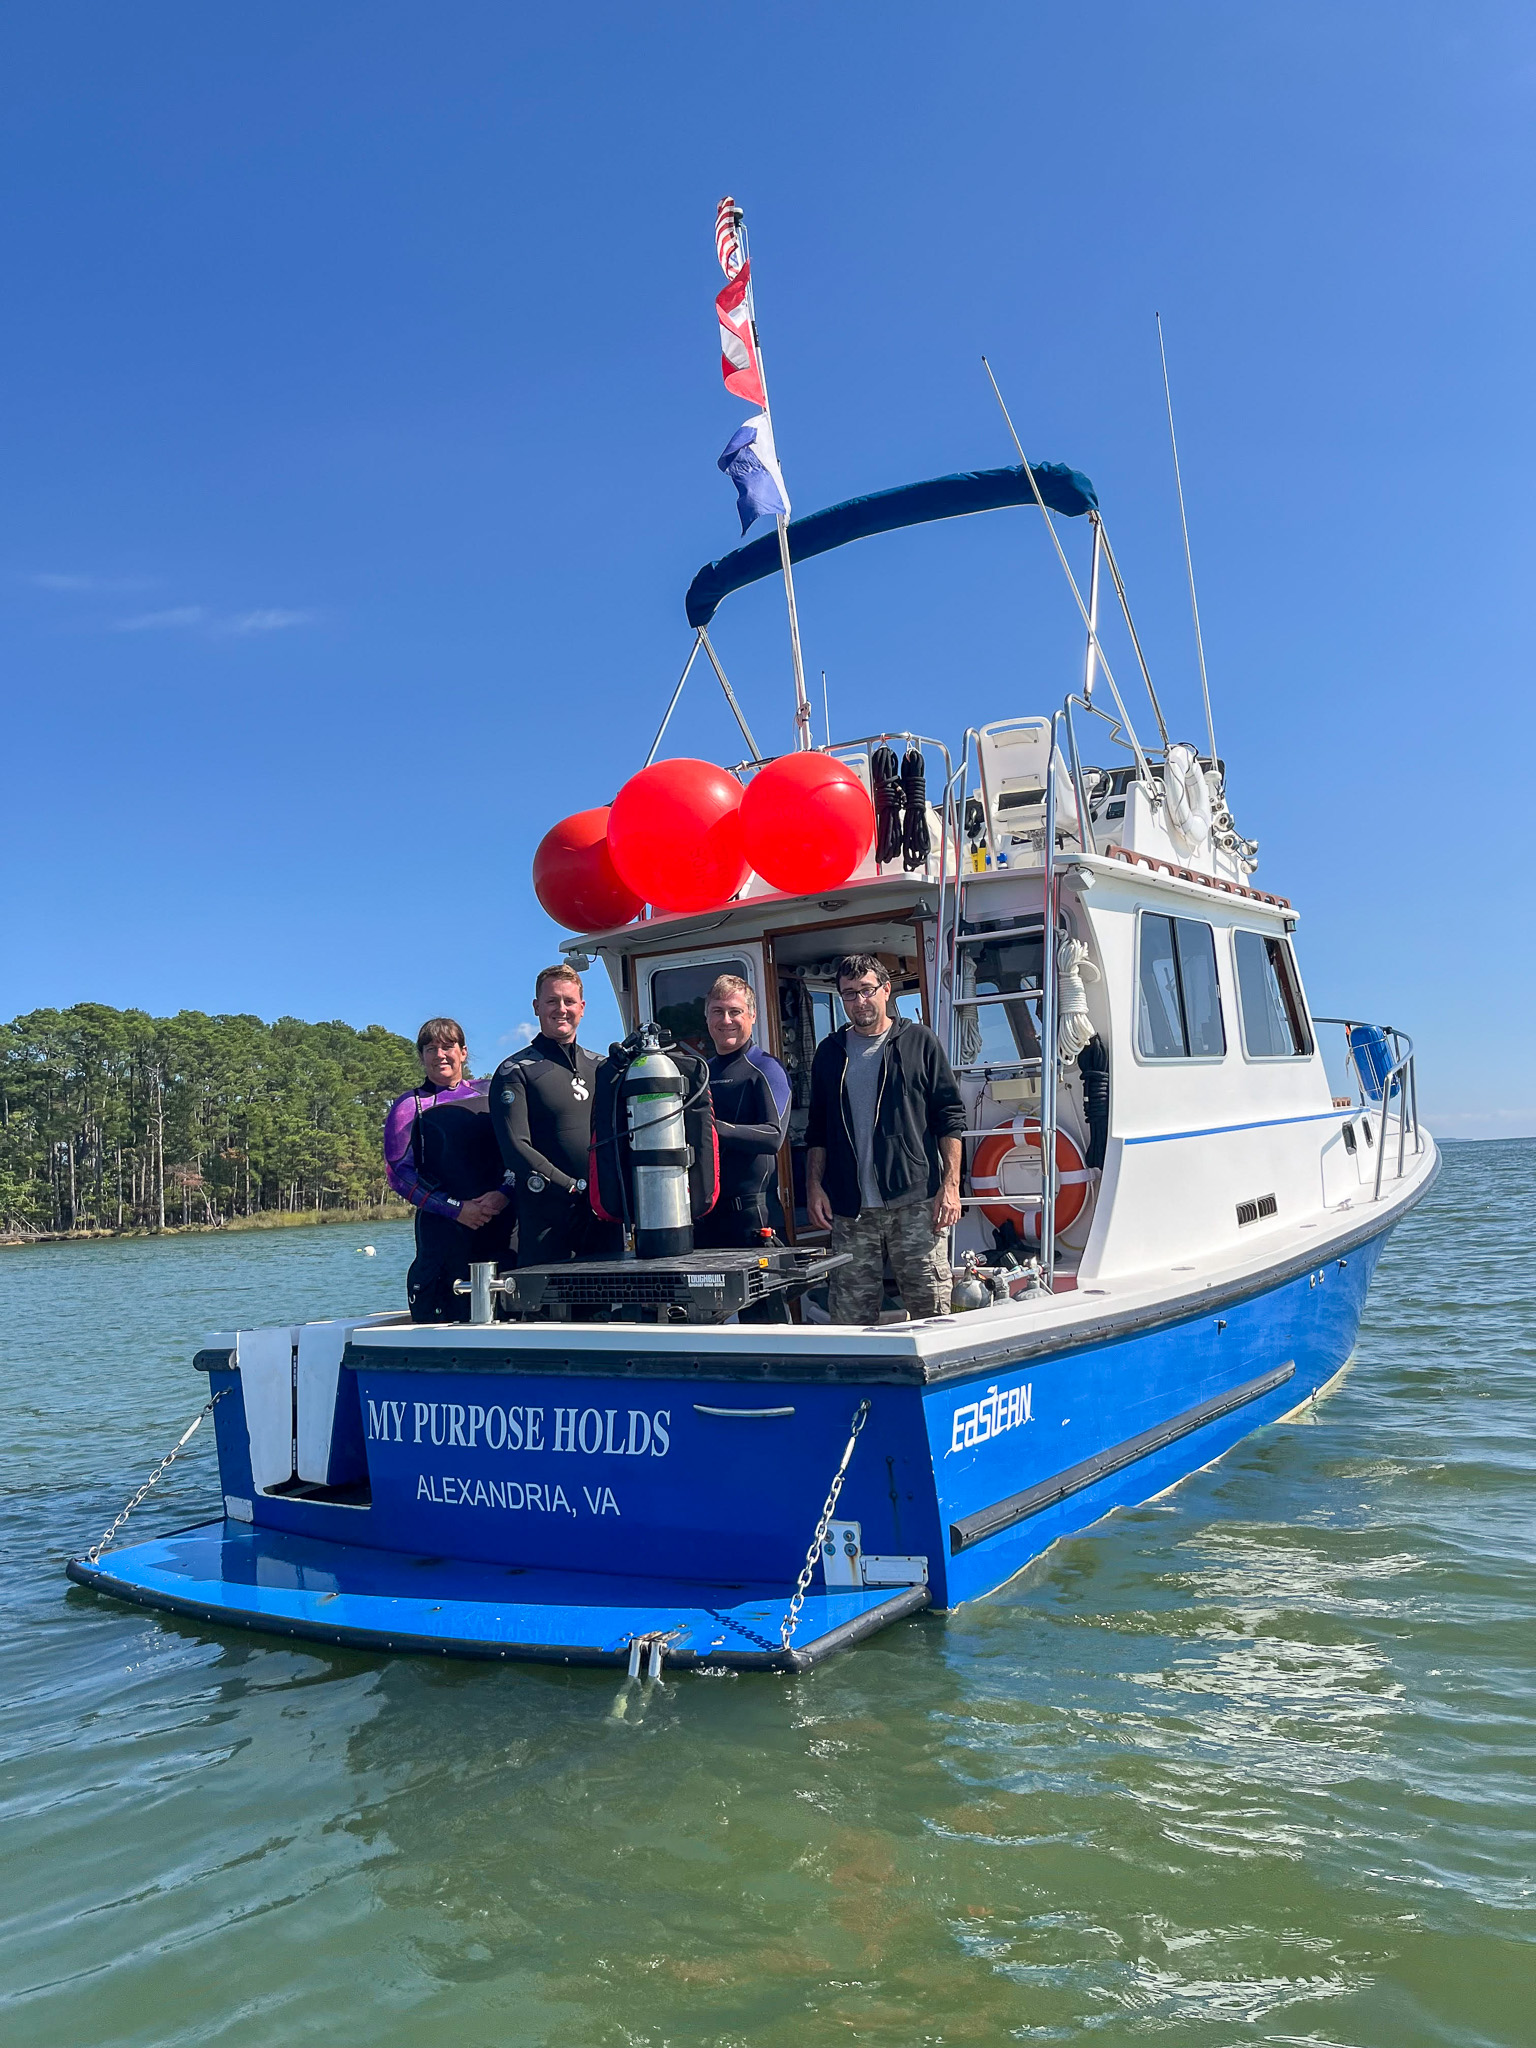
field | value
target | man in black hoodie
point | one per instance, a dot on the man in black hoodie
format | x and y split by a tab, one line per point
883	1158
541	1109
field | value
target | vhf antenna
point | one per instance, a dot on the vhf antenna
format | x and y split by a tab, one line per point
1189	560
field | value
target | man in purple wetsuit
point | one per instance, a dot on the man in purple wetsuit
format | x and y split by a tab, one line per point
442	1157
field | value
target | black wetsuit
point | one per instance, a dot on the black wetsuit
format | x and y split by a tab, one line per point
441	1152
751	1096
541	1108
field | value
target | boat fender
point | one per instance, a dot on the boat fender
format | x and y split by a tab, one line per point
1005	1147
1189	798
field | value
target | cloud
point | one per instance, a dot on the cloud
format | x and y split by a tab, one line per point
520	1034
182	617
179	616
90	586
268	621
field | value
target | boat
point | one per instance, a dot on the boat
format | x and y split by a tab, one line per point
1168	1233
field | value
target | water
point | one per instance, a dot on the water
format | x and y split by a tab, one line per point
1253	1764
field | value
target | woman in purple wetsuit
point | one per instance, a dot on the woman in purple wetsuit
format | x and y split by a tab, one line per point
442	1157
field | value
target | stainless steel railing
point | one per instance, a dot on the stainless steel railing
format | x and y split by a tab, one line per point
1399	1081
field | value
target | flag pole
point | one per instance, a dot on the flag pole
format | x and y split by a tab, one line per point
802	701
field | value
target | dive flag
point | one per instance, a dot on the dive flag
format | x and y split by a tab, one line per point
753	467
738	346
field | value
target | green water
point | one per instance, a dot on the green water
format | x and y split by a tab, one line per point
1254	1764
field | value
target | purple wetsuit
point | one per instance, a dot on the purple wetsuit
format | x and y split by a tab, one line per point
428	1155
441	1152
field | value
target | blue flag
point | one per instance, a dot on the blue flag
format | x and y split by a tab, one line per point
753	467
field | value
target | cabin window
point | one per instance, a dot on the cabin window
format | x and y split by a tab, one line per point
1178	1004
677	998
1275	1023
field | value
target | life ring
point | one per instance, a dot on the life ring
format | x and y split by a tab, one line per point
1009	1147
1189	798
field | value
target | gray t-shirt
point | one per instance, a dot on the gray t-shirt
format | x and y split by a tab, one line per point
865	1061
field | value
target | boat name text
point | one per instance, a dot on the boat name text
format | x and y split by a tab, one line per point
591	1431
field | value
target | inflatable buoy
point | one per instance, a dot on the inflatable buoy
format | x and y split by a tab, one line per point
574	877
806	822
675	835
1007	1166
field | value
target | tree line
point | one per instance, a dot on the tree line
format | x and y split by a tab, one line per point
116	1120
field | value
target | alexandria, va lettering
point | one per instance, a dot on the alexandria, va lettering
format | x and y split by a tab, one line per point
979	1421
448	1490
592	1432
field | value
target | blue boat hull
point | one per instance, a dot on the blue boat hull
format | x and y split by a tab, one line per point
513	1503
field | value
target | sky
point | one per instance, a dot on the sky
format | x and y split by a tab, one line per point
360	404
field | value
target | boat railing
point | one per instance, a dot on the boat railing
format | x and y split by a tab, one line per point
1381	1059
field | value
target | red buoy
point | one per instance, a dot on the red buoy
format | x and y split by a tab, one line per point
675	835
806	822
574	877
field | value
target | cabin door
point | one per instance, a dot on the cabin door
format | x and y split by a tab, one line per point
802	975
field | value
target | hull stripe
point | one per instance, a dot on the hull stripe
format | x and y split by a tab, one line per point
1018	1507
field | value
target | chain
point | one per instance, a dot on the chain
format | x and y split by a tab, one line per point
93	1555
813	1556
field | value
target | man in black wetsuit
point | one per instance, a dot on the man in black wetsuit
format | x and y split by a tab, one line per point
541	1107
442	1157
751	1096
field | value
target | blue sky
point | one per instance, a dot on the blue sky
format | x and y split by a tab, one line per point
360	407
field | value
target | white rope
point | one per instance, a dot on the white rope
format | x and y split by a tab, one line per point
1073	968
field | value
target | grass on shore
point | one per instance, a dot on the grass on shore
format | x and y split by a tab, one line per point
264	1219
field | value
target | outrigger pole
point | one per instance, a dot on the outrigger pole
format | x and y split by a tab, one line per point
802	701
1189	560
1066	569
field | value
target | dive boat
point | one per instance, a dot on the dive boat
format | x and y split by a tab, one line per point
1169	1227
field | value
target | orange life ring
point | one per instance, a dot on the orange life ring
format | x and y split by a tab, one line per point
1008	1146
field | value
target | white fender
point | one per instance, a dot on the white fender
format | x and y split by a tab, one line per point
1188	796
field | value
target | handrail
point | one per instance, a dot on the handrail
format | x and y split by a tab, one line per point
1402	1078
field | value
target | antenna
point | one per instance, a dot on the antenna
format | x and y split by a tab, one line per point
826	715
1189	560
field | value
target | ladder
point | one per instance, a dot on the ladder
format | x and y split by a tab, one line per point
962	941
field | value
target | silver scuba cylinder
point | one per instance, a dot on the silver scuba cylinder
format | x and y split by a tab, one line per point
654	1088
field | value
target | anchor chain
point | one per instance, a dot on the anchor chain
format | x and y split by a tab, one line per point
791	1620
93	1555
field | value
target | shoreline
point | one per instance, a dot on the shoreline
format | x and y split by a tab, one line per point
276	1219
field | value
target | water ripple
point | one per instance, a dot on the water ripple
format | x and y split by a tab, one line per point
1253	1764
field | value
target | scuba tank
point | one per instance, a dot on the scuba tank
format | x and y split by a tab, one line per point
652	1094
654	1161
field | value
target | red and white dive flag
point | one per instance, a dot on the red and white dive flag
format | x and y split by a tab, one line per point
739	364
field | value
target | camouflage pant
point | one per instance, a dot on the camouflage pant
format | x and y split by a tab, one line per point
918	1258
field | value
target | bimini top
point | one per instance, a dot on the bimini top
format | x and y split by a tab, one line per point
1064	490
